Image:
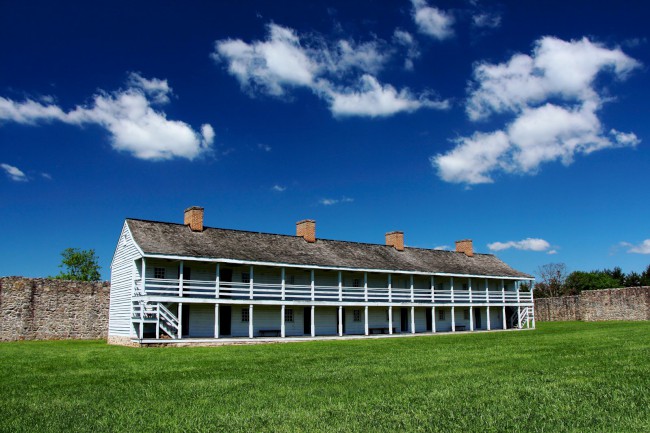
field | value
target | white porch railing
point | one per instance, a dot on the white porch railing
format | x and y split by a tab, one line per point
303	292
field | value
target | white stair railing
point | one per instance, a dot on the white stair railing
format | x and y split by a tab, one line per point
167	321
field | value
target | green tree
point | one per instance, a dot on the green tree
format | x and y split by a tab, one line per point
81	265
633	279
578	281
645	276
618	274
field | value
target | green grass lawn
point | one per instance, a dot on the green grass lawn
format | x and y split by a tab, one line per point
579	377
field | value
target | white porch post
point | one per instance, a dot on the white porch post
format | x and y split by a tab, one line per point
412	320
250	320
217	282
340	287
487	291
180	321
180	279
313	288
433	319
390	300
518	305
250	283
283	286
412	288
433	290
488	318
157	321
453	312
216	320
471	308
503	299
365	319
453	319
313	320
282	330
144	275
340	321
365	286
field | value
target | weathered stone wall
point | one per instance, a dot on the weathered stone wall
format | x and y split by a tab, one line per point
45	309
631	303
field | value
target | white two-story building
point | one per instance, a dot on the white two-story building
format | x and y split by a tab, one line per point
175	283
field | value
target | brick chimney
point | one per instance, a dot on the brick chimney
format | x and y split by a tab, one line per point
194	218
465	246
396	240
306	229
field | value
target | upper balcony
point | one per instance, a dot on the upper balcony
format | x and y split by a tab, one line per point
255	291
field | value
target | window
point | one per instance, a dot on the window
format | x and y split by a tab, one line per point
356	283
288	315
244	315
159	272
466	313
245	277
441	314
357	315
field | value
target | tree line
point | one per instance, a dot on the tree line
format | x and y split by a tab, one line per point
555	280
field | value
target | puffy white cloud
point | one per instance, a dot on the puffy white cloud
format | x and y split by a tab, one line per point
642	248
270	65
528	244
371	99
554	104
556	68
342	73
279	188
128	115
14	173
432	21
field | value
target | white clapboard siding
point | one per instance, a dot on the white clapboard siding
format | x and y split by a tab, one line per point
123	269
445	324
201	320
420	320
326	320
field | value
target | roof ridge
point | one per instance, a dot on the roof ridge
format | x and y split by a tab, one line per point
317	239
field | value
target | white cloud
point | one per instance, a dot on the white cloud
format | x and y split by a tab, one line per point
128	115
406	40
268	66
264	147
441	247
369	98
528	244
486	20
642	248
46	176
333	201
342	73
551	252
279	188
14	173
432	21
554	104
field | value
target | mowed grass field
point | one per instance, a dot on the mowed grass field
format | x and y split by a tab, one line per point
582	377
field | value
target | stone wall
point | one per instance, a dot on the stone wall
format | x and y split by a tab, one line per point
45	309
631	303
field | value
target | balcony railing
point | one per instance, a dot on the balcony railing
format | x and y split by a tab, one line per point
300	292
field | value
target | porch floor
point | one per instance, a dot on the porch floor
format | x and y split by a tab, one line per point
224	341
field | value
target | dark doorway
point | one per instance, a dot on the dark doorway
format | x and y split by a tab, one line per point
186	321
404	319
225	313
306	328
477	318
429	319
225	278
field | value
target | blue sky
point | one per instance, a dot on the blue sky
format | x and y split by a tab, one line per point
520	125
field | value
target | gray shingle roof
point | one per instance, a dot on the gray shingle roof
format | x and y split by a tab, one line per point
176	239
